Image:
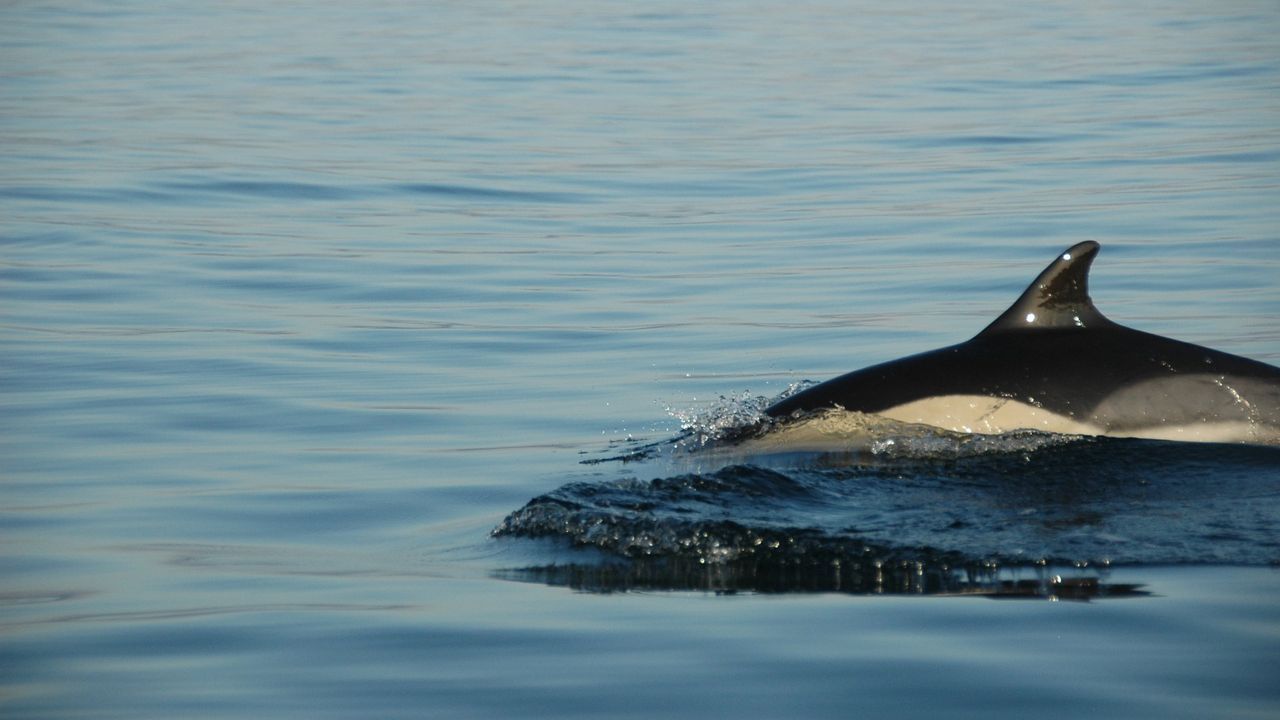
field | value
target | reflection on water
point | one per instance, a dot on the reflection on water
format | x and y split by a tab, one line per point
866	577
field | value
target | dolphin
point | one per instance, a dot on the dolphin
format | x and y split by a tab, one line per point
1053	362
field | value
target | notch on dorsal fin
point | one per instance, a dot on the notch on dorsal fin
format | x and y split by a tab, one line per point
1059	297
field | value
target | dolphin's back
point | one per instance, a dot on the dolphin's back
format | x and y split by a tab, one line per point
1094	377
1055	355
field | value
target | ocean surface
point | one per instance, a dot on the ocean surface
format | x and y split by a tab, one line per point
374	359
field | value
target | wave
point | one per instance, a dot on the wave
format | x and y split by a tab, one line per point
857	503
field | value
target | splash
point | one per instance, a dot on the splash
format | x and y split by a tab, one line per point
726	420
736	430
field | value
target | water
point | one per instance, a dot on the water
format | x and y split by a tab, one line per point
300	303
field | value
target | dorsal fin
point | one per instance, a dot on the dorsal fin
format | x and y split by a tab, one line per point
1059	297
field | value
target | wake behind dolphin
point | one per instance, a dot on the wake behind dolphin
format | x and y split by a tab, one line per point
1052	362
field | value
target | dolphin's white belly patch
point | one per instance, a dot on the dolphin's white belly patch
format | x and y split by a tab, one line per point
988	415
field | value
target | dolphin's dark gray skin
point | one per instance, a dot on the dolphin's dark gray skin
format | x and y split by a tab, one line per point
1053	362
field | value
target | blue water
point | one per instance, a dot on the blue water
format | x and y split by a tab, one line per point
301	302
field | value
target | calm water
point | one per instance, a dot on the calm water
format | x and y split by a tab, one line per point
301	302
